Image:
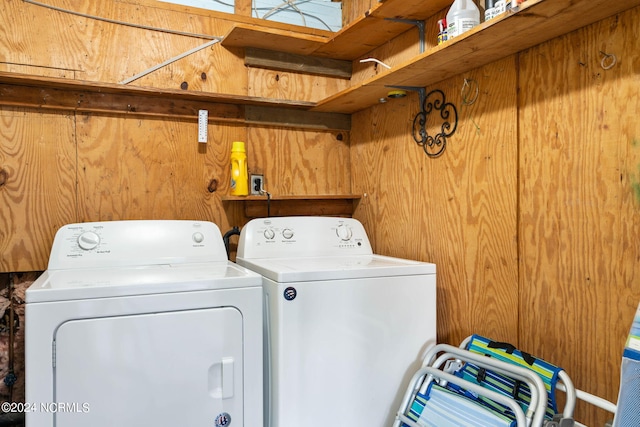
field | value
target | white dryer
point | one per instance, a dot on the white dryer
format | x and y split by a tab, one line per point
143	323
345	328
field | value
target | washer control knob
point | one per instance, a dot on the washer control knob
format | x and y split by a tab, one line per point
344	232
88	240
287	233
269	234
198	237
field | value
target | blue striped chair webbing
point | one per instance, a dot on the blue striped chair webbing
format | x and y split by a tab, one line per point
440	407
504	384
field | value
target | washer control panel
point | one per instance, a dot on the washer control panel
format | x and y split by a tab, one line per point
128	243
302	236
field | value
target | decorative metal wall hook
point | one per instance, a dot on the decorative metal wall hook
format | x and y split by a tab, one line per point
434	145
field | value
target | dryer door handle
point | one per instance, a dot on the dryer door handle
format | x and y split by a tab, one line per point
227	377
221	379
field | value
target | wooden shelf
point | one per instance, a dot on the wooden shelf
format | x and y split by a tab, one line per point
535	22
286	40
374	28
24	90
293	197
324	205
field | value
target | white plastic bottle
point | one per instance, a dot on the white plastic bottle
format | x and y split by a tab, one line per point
462	16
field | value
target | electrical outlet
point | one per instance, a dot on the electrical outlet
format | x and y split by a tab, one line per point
257	184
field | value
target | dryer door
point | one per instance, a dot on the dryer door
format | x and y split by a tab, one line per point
164	370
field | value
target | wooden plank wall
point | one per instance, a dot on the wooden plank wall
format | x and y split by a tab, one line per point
38	195
459	210
352	9
65	167
579	213
532	214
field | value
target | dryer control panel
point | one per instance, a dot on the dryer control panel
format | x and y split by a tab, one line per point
281	237
136	243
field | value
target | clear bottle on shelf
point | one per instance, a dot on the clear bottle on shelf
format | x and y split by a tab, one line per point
462	16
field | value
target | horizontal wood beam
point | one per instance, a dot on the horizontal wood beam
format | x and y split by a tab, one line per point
284	205
152	92
87	97
260	209
295	118
93	102
282	61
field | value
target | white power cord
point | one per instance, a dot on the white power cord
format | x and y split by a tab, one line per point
377	61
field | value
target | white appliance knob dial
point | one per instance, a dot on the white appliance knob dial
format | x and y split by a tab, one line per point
287	233
344	232
88	240
198	237
269	234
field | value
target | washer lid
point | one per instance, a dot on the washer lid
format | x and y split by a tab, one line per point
75	284
285	270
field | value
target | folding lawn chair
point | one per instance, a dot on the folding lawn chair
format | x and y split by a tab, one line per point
485	383
437	406
445	373
555	379
495	377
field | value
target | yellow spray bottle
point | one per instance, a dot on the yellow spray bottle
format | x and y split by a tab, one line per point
239	176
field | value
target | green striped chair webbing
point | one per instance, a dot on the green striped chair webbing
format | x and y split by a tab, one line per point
503	383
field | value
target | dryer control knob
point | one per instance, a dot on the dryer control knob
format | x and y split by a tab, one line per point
88	240
344	232
287	233
269	234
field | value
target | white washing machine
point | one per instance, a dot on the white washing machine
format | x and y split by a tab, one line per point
345	328
143	323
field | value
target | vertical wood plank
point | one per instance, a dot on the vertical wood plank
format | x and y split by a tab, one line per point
38	190
300	162
243	7
131	168
580	216
458	210
352	9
